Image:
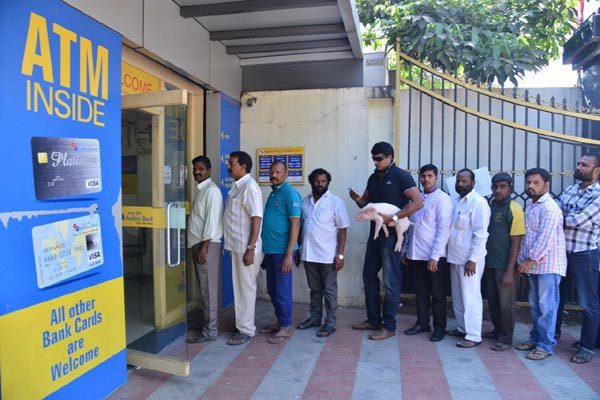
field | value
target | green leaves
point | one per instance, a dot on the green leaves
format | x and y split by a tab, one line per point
486	39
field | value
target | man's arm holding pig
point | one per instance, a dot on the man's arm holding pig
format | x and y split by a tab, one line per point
415	203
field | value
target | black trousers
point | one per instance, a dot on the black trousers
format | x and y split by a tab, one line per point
430	291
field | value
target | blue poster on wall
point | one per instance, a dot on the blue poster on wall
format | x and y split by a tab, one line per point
61	289
229	142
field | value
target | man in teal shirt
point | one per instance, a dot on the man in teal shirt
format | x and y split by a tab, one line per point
281	226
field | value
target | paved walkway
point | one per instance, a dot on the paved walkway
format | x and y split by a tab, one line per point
350	366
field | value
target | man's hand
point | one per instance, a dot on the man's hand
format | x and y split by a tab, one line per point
202	251
248	257
507	278
470	268
432	265
525	266
286	264
338	264
404	259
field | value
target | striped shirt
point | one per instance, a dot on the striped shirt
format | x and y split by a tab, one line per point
244	201
582	220
544	240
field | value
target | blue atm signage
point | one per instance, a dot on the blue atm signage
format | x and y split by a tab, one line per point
62	324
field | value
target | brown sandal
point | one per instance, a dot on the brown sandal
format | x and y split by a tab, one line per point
538	354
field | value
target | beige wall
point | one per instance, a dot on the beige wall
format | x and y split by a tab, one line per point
336	128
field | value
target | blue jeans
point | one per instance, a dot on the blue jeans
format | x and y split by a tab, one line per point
584	269
279	287
380	254
543	300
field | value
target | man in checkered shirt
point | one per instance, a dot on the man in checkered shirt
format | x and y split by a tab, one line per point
580	204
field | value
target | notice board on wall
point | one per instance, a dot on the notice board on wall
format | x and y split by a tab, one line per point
62	322
293	157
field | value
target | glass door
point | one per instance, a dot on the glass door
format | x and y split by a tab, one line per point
153	141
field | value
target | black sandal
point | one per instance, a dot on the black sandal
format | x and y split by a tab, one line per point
326	331
308	323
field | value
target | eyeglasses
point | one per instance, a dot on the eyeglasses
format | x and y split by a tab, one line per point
379	158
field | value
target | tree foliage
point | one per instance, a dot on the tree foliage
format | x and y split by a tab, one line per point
485	40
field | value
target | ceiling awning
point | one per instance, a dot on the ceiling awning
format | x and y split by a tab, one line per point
274	32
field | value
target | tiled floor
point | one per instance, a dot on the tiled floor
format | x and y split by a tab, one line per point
350	366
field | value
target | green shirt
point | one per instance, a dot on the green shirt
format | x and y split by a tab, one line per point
506	220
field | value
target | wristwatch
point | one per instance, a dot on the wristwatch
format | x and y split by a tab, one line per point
250	247
395	218
340	256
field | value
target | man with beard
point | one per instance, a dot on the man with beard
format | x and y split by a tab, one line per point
580	204
543	258
281	226
388	184
426	252
205	230
323	238
466	256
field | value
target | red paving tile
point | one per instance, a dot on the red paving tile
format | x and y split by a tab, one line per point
140	384
421	369
512	378
335	371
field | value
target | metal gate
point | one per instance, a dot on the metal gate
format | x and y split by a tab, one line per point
453	124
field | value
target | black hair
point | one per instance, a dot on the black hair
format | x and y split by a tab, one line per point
595	156
467	170
428	167
279	162
202	159
539	171
383	148
502	177
319	171
243	159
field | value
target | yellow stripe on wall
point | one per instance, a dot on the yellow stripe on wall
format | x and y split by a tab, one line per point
48	345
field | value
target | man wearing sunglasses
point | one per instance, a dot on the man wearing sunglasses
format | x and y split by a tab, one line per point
387	184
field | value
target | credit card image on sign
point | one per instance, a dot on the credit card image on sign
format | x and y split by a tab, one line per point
65	167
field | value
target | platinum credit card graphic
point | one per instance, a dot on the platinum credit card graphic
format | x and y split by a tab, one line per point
65	167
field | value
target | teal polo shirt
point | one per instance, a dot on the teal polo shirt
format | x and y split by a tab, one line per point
507	219
283	203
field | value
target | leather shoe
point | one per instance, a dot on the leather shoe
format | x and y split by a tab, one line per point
366	326
381	335
437	335
416	330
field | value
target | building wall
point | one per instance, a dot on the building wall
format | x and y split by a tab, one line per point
337	128
155	28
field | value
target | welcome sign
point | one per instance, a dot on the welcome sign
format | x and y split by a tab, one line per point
62	324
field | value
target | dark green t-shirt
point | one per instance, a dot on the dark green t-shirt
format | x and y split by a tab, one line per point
506	220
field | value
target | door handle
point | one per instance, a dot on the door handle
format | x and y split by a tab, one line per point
169	261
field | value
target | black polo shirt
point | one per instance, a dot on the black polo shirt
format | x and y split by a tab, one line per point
389	187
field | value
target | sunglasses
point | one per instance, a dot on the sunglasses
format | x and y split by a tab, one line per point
379	158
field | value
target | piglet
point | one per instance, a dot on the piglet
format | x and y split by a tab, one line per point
373	211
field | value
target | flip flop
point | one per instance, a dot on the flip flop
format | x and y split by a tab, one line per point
527	346
309	323
199	339
582	357
269	329
326	331
500	346
277	339
538	354
467	344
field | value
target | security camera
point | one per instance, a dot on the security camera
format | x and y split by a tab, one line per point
250	101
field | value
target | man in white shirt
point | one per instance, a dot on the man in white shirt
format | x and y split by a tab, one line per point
466	256
425	246
205	230
323	238
242	223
